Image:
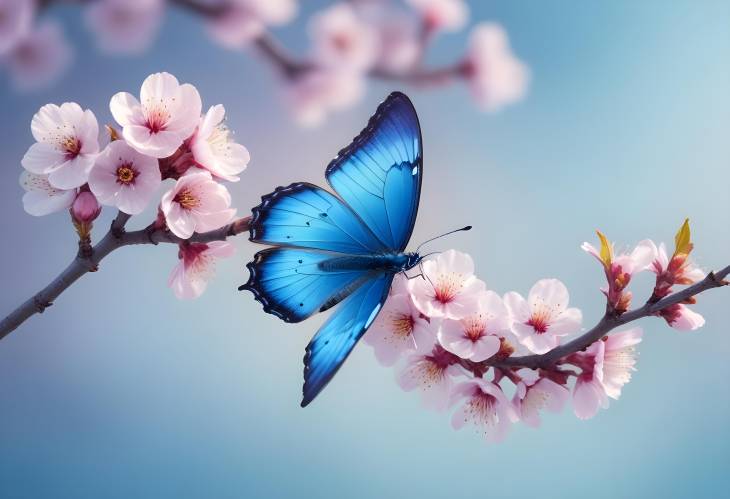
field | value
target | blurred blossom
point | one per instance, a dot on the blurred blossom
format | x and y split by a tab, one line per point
67	141
477	336
430	371
484	406
190	276
399	327
539	321
85	207
41	198
533	394
447	15
342	39
196	203
244	20
16	17
124	178
496	77
318	92
166	116
399	47
125	26
449	288
39	57
214	148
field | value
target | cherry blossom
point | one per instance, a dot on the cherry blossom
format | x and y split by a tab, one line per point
66	144
342	39
447	15
41	198
495	76
680	268
399	327
544	317
196	203
16	17
190	276
125	26
448	288
166	116
214	149
245	20
124	178
534	394
682	318
318	92
477	336
39	57
484	406
430	370
399	45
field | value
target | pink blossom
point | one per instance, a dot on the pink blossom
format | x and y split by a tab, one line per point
485	407
448	288
316	93
495	76
245	20
682	318
534	394
679	269
430	370
606	367
477	336
342	39
539	321
398	32
125	26
85	208
190	276
447	15
214	148
41	198
66	144
124	178
399	327
196	203
167	115
16	17
39	57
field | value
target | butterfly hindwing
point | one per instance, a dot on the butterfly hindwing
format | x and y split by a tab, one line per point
379	174
293	283
306	216
336	338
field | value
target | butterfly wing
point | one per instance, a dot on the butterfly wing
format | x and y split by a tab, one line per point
293	283
336	338
379	174
306	216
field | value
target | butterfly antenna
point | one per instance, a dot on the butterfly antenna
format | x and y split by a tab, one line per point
468	227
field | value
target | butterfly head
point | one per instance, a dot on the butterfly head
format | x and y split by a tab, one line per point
412	259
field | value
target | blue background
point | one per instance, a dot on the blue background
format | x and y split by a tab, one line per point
120	390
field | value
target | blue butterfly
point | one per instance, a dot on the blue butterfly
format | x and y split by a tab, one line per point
342	248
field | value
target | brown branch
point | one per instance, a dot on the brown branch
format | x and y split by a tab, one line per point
607	323
116	238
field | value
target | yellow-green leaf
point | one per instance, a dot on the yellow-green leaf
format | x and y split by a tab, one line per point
682	242
606	250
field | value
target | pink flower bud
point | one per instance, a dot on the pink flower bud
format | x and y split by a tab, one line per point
85	208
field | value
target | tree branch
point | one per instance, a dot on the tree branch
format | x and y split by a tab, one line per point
114	239
607	323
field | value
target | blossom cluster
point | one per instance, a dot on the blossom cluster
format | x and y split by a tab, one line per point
451	338
349	41
164	138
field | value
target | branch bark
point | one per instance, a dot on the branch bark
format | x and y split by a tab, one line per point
607	323
115	238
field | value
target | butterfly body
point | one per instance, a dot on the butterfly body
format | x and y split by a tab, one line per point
342	250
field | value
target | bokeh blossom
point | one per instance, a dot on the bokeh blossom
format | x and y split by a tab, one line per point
342	39
447	15
242	21
125	26
39	57
16	17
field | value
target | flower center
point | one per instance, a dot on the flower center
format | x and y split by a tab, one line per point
540	320
428	373
447	287
187	199
342	42
71	147
482	409
473	328
402	325
157	118
126	174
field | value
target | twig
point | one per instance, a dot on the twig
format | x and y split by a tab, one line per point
114	239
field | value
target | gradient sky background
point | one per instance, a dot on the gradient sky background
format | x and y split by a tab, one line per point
120	390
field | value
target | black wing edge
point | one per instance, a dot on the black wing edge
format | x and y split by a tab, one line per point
252	285
373	123
258	213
